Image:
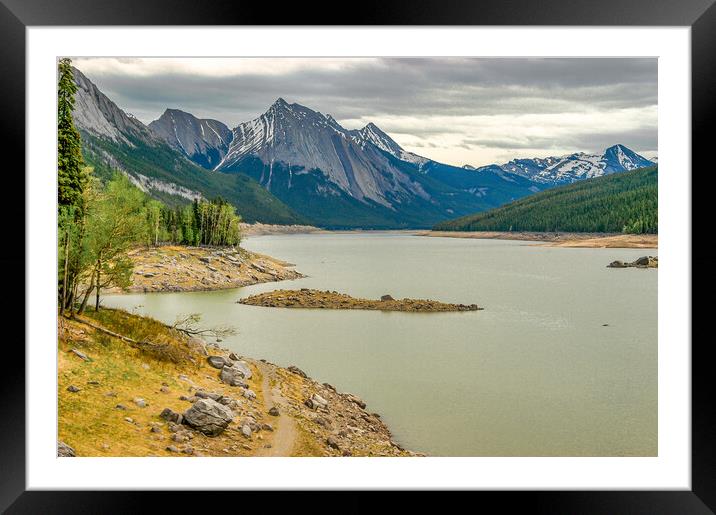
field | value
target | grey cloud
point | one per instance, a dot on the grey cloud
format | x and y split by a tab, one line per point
392	88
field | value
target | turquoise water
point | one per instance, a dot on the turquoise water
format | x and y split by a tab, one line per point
537	373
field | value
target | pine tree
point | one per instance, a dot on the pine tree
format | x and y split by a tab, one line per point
70	174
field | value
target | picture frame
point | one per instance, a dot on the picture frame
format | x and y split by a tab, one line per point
700	15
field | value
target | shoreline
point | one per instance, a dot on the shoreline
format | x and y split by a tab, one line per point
121	396
558	239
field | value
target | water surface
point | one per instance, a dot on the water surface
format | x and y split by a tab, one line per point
562	361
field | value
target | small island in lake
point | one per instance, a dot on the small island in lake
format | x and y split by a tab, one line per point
642	262
308	298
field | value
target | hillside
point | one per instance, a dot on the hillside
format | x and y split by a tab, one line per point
624	202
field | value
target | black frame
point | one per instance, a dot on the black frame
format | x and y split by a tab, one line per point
700	15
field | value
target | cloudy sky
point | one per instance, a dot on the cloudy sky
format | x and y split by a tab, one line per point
454	110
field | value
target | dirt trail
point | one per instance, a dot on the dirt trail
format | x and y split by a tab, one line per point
284	435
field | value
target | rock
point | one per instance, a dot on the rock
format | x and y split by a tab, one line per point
208	416
266	427
235	374
110	394
72	388
332	443
316	402
172	448
179	438
93	383
295	370
128	419
347	453
64	450
205	259
171	416
642	261
156	429
616	264
233	357
386	298
140	402
80	354
164	389
202	394
273	411
249	394
197	345
246	430
218	361
121	407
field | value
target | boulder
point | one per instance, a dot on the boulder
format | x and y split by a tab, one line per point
202	394
72	388
218	361
140	402
642	261
171	416
331	442
386	298
273	411
246	430
249	394
316	402
208	416
233	376
64	450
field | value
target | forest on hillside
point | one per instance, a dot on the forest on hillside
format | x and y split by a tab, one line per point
624	202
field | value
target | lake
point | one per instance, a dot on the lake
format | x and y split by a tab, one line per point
561	362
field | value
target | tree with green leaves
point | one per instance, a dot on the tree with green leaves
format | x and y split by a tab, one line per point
116	222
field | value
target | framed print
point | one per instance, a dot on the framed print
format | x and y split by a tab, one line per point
419	252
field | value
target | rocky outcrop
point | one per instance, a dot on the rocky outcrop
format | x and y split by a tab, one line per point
235	374
208	416
317	299
642	262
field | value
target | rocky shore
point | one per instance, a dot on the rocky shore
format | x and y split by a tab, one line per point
559	239
179	268
317	299
174	395
642	262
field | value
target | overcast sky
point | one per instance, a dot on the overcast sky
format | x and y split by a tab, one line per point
454	110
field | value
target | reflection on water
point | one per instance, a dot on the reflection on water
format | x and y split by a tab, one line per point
537	373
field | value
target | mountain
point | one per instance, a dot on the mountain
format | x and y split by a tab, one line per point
115	140
578	166
356	178
622	202
203	141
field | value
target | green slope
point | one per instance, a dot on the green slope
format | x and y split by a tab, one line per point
621	202
159	161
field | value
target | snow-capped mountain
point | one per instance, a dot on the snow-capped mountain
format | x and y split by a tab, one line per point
372	134
301	140
577	166
315	165
204	141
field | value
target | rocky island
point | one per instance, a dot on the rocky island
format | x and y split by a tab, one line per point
318	299
642	262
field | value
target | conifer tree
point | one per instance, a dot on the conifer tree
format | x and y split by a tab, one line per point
71	178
